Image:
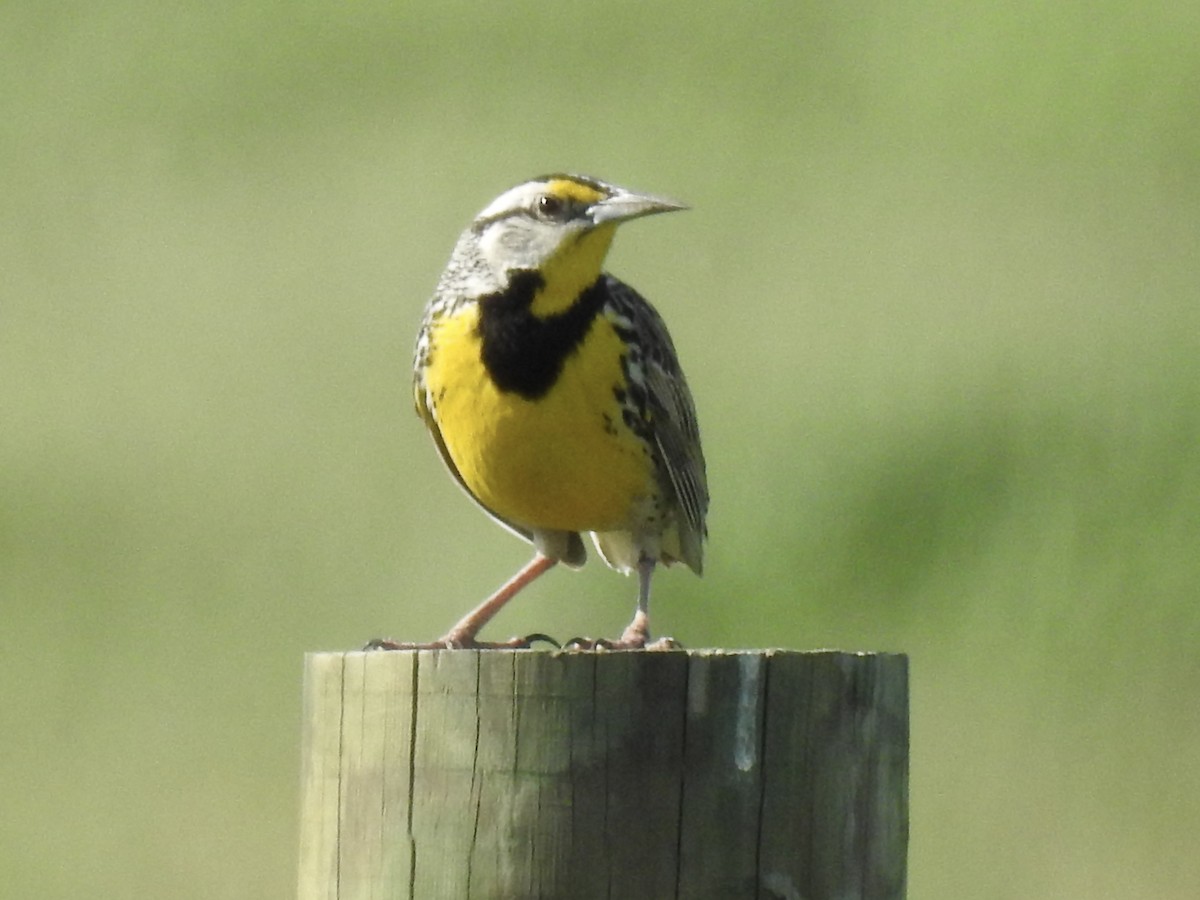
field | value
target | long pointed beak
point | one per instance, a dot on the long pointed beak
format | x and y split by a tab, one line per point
625	205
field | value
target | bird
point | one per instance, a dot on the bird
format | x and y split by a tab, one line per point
555	398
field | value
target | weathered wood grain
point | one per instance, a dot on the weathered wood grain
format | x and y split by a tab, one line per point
514	774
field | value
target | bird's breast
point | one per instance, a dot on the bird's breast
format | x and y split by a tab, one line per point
561	459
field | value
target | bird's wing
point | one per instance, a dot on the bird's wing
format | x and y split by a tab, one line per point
672	415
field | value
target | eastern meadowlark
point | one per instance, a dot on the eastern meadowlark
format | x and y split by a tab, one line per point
555	398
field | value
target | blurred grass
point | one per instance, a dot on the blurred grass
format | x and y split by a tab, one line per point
938	304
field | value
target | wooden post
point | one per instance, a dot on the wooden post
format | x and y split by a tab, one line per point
522	774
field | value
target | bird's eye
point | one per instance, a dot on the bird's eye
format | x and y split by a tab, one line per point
550	207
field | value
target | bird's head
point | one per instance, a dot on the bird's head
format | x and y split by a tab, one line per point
559	226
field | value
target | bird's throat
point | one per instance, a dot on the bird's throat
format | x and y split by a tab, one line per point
571	271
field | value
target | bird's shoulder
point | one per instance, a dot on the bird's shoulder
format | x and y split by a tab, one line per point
638	323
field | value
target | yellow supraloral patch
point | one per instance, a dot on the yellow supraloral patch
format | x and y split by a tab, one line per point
574	190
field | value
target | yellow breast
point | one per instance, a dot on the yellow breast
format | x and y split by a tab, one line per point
563	461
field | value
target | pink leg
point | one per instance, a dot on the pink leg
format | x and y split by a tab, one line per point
636	635
462	635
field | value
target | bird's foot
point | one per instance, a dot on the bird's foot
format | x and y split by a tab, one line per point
625	642
454	641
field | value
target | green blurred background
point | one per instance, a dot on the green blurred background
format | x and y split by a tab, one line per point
937	299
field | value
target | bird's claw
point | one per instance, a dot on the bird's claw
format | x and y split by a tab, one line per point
585	643
624	643
455	642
